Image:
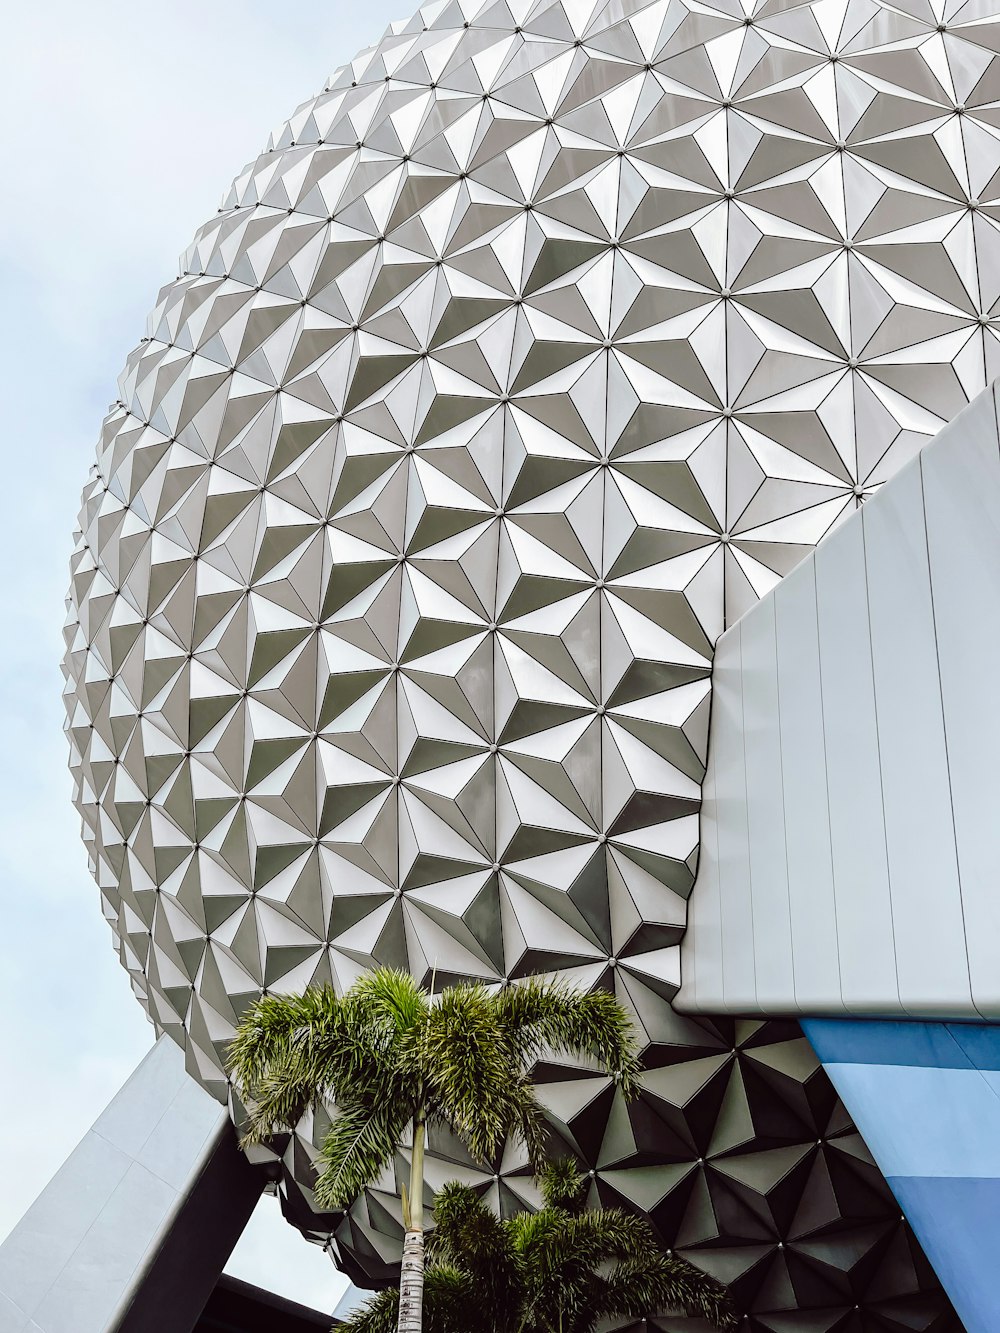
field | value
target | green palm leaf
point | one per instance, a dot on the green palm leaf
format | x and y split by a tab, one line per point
553	1016
468	1066
563	1185
386	1054
361	1143
469	1236
451	1306
292	1051
378	1314
276	1056
656	1284
388	1004
579	1266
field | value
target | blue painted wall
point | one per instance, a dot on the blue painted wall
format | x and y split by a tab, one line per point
926	1098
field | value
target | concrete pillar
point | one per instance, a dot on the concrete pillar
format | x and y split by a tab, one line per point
133	1231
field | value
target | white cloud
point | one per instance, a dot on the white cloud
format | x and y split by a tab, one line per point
123	125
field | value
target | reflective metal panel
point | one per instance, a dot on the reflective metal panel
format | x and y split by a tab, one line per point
886	791
534	350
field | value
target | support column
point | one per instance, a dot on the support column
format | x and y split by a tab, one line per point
135	1228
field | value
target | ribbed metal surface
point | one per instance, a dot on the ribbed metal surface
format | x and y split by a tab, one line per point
857	731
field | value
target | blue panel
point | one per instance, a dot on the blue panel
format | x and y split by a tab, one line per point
958	1223
926	1098
890	1042
924	1122
980	1042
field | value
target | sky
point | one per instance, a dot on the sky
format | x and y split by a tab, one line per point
121	127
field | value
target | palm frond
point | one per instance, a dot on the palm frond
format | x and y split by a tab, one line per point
557	1256
468	1233
474	1049
465	1228
469	1236
609	1233
533	1240
560	1283
467	1068
526	1121
451	1302
563	1185
655	1284
379	1314
533	1236
552	1015
389	995
280	1056
292	1051
276	1103
451	1305
362	1140
267	1026
578	1269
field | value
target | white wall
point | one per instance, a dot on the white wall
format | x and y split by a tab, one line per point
850	859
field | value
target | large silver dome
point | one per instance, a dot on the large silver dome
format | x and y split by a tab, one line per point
531	352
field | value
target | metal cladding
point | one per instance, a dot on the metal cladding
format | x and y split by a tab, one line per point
848	854
533	351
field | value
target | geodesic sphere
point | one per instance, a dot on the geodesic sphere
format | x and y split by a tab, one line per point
529	354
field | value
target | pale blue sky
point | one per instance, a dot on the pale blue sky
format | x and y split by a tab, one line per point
121	126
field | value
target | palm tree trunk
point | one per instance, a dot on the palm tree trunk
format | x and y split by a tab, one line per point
411	1275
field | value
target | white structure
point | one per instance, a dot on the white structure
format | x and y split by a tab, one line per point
534	350
133	1231
850	864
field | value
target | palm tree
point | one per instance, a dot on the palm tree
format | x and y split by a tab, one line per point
390	1057
560	1270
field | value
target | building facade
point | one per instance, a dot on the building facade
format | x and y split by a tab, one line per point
482	441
